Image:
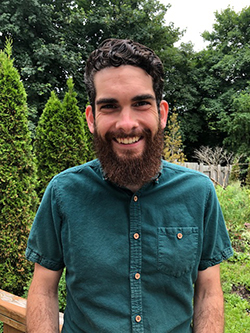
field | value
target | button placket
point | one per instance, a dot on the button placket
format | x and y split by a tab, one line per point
135	265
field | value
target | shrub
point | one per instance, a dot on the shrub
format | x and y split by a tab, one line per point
60	137
18	199
173	151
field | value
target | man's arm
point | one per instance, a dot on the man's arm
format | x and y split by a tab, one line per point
208	302
42	304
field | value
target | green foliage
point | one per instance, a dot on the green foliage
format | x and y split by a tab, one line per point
52	39
173	142
235	172
42	54
224	81
248	176
62	292
18	198
239	123
60	137
235	276
235	203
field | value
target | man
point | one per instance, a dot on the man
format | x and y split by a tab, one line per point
141	239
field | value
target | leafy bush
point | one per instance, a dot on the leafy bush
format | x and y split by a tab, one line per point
60	137
18	198
173	151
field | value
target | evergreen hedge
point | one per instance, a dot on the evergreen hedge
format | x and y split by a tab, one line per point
18	199
60	137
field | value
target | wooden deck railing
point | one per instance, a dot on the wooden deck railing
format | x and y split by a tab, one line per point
13	313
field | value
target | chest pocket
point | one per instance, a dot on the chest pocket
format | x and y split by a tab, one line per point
177	249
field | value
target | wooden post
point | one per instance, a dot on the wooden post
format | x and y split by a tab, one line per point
13	313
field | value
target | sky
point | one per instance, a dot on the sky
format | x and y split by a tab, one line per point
196	16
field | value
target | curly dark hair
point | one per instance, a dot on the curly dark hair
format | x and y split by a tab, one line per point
116	52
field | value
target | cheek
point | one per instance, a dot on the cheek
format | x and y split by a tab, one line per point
102	127
152	123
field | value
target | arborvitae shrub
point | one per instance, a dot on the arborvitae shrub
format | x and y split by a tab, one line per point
18	199
60	137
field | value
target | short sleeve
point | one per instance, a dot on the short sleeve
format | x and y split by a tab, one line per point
216	242
44	244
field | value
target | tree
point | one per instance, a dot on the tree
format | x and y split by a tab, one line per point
60	137
173	151
224	72
239	124
213	156
52	39
18	199
183	95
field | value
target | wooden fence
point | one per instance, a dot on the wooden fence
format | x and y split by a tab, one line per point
219	174
13	313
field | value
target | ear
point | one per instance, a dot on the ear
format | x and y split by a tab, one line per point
163	113
90	118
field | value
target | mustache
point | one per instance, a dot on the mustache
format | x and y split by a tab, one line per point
109	136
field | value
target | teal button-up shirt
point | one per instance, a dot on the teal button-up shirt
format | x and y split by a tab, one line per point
131	258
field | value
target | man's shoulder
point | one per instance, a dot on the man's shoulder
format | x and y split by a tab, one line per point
94	165
83	169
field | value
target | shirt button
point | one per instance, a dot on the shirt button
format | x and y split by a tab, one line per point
179	235
136	235
135	198
138	319
137	276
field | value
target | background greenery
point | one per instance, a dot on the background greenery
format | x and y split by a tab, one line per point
235	203
208	89
18	198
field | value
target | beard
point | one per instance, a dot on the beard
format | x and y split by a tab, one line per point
128	169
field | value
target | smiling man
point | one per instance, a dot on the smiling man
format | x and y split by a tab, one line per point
128	125
141	239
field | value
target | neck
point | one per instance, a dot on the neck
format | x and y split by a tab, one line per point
134	188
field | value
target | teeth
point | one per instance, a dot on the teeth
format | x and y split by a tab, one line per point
128	141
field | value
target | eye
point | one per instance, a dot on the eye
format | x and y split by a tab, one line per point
142	105
108	107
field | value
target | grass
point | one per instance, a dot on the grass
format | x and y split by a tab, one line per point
235	276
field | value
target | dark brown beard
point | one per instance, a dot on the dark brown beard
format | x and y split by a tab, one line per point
129	170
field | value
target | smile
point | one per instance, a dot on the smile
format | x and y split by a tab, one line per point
128	141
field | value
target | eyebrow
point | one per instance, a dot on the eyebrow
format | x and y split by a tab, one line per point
143	97
134	99
106	101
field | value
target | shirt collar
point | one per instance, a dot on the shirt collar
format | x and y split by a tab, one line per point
154	180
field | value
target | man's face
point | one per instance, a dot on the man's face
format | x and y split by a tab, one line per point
126	113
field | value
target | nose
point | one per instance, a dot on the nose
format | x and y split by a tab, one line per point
127	120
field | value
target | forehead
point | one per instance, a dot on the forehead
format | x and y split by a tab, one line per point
125	79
